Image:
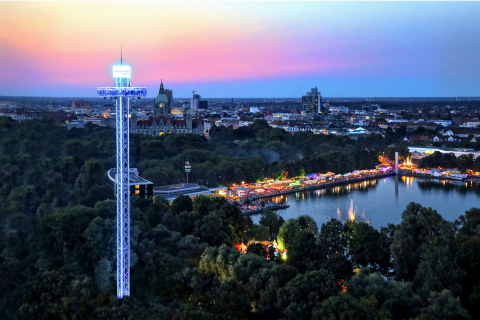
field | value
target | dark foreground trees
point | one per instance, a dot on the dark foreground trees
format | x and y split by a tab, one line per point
183	269
58	233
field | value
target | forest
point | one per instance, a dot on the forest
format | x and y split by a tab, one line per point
57	239
449	160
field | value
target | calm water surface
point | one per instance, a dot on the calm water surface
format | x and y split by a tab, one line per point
381	201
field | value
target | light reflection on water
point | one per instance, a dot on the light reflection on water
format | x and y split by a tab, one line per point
381	201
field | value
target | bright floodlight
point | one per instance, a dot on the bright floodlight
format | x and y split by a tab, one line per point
122	72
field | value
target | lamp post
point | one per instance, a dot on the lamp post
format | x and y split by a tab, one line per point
188	168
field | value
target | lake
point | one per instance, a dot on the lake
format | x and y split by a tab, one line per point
381	201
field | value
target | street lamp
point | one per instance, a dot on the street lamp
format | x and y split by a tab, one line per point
188	168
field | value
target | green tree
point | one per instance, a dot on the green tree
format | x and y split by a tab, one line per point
339	266
444	306
305	222
43	297
303	253
213	230
365	246
397	298
259	233
104	275
219	261
258	249
343	306
233	217
465	162
412	238
385	240
467	243
401	148
287	233
272	220
334	237
188	311
438	270
91	185
301	294
180	204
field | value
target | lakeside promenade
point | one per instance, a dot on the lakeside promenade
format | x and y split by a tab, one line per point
324	185
333	183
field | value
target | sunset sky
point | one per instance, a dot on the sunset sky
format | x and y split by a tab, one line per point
243	49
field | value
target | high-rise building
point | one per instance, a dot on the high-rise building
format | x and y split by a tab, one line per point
194	102
312	102
169	94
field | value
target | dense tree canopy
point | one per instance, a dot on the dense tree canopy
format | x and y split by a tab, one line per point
58	235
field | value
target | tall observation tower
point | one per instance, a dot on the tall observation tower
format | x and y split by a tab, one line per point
122	93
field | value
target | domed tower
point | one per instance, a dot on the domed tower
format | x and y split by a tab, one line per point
161	104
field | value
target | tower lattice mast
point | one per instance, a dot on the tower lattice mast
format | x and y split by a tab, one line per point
122	92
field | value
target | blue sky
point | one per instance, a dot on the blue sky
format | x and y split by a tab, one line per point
243	49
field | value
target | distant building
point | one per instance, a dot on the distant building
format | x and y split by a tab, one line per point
170	192
162	121
80	104
166	125
60	116
194	102
312	102
162	105
109	122
228	122
420	152
338	109
74	124
203	105
169	94
176	111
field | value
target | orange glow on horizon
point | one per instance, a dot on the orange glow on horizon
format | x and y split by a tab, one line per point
74	43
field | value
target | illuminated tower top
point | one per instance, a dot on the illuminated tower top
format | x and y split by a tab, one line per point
122	74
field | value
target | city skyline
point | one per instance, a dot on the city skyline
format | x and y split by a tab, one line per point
244	50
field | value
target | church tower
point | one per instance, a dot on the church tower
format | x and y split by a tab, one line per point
187	115
161	104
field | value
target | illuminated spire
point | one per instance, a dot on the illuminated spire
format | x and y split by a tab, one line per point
121	56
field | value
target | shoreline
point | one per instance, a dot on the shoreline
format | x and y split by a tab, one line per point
325	185
273	208
340	183
418	175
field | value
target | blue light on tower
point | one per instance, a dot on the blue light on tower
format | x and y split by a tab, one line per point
122	92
